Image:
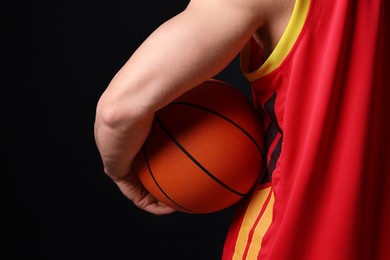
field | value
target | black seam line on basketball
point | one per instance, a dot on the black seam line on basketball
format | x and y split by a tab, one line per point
155	181
225	118
195	161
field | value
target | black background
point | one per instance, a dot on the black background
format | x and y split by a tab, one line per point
56	201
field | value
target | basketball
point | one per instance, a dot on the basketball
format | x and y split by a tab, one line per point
204	151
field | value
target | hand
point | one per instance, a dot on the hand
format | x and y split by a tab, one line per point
118	147
132	188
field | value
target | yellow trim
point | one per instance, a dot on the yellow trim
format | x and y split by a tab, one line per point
253	211
285	44
261	229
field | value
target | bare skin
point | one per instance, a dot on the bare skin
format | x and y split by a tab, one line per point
186	50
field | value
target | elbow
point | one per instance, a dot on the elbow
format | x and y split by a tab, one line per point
125	104
108	115
117	114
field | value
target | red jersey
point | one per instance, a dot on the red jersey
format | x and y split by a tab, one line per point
324	95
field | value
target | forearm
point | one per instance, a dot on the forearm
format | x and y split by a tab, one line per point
118	144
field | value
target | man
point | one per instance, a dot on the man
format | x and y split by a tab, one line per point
317	70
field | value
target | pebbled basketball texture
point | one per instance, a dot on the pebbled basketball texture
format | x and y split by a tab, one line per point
204	151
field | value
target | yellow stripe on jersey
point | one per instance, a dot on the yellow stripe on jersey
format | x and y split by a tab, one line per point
254	224
284	45
261	229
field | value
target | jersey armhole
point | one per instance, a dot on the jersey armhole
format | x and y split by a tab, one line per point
282	49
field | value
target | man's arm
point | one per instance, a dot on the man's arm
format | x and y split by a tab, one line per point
183	52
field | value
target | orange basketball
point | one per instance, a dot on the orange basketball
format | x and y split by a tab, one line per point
204	151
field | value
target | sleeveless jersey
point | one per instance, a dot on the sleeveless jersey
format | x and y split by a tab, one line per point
324	96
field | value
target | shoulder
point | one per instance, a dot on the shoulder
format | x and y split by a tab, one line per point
267	19
255	10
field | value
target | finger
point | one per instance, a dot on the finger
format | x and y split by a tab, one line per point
132	188
152	205
159	209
